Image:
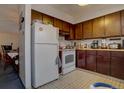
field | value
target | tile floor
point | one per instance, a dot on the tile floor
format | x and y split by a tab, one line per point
82	79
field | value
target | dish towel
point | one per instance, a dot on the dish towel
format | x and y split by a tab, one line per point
58	61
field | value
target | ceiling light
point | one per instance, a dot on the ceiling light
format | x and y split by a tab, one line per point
82	4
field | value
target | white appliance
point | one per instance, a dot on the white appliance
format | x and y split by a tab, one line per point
68	60
44	54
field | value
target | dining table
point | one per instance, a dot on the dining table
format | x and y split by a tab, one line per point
13	55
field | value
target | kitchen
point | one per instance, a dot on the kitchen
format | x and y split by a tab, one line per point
68	46
94	45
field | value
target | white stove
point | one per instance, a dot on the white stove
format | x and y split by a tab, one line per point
68	60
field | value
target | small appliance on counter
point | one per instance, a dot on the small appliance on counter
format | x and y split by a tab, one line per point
122	44
95	44
103	46
115	43
114	46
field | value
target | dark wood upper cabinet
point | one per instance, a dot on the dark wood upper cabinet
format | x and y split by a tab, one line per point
71	33
58	23
103	62
117	64
80	59
122	22
91	60
78	31
47	19
113	24
65	26
87	29
36	15
98	27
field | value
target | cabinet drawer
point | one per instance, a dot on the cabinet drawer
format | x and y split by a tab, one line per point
91	52
103	53
117	53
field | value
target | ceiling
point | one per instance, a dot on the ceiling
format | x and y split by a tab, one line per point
73	13
9	18
74	9
81	13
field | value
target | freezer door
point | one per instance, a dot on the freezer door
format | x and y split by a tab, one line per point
44	67
42	33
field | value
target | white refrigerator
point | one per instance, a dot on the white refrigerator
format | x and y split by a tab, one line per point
44	54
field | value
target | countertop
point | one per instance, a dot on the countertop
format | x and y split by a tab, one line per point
67	49
101	49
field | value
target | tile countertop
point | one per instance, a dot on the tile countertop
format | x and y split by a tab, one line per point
101	49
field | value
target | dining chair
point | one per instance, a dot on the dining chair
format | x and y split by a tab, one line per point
6	48
16	63
5	57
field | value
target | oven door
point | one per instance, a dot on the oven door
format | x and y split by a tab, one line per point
68	59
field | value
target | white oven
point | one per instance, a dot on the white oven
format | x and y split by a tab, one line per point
68	60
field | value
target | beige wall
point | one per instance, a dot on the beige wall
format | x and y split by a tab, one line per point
8	38
25	46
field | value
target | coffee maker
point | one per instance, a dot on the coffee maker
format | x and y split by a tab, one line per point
95	44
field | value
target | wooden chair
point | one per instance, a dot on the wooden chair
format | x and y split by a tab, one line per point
5	57
16	66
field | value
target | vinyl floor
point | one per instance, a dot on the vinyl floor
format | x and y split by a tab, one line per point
82	79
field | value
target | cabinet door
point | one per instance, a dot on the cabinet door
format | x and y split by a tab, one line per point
58	23
122	21
47	19
91	60
36	15
112	24
87	29
103	66
71	33
98	27
117	64
80	59
65	26
78	31
117	67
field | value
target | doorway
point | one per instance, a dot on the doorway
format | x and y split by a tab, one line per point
9	47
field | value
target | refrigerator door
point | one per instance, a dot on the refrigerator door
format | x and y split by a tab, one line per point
44	66
42	33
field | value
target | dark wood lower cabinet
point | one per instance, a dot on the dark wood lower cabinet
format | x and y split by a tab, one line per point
91	60
103	62
117	64
80	57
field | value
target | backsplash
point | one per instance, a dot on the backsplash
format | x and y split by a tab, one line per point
107	41
63	42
